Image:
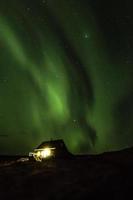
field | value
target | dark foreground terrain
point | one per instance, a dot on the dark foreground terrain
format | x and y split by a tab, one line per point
106	176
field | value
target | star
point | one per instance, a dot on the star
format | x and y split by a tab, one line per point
28	9
86	35
44	1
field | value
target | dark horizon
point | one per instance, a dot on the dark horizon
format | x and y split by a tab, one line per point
66	71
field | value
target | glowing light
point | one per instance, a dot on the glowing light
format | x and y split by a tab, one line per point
46	153
38	154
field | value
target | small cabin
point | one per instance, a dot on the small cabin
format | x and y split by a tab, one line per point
50	149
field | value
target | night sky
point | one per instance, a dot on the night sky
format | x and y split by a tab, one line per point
66	69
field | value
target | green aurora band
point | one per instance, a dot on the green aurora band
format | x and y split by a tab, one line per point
57	79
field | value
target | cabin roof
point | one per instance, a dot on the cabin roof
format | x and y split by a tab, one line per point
51	143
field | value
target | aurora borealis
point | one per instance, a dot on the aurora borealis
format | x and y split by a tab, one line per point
66	70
